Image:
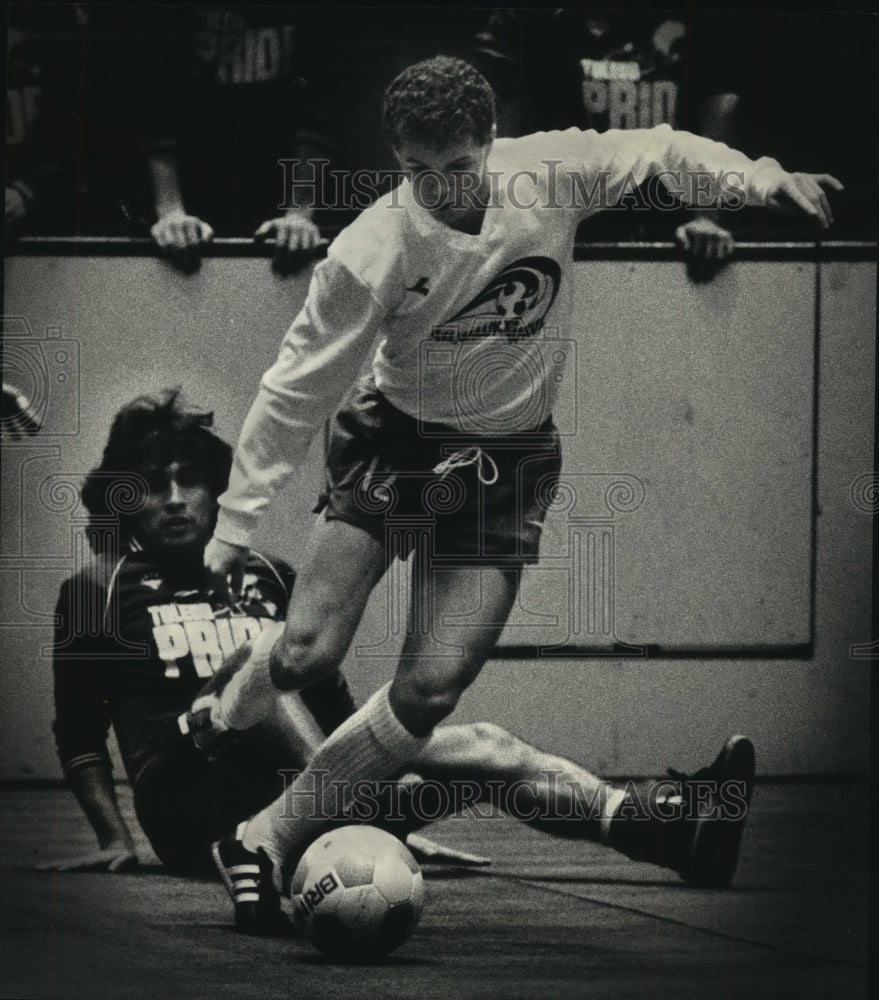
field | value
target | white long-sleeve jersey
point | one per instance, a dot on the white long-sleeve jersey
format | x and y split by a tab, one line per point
465	323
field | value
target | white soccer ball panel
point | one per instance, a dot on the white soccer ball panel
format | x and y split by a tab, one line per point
392	878
362	909
357	893
354	869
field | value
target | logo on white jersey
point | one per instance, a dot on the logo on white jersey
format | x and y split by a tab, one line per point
513	304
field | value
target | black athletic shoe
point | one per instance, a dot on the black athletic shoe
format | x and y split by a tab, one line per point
694	824
716	800
247	876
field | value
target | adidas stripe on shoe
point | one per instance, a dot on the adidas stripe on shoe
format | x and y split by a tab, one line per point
247	876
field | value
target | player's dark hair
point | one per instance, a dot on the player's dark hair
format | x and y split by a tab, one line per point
150	432
440	101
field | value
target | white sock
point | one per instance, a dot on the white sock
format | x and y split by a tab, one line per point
373	744
296	727
249	696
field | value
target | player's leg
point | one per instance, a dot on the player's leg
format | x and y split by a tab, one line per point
457	615
691	824
342	565
247	772
439	660
286	722
482	763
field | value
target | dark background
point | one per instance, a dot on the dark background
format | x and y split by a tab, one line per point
103	78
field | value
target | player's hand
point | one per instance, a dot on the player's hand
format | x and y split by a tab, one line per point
180	236
296	238
426	851
116	857
804	194
225	565
16	206
707	244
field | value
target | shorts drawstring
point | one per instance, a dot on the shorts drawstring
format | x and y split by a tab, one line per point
469	456
367	479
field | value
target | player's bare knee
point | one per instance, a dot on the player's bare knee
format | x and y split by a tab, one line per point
437	706
421	705
302	657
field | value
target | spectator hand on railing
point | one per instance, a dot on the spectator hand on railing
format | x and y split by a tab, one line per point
296	238
708	246
16	206
180	236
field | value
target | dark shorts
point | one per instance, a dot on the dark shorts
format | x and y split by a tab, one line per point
184	802
469	500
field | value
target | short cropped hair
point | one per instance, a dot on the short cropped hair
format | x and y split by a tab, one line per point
150	432
438	102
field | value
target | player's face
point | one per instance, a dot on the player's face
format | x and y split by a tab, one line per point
450	182
178	511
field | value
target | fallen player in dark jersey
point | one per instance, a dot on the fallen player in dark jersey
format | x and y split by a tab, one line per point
141	636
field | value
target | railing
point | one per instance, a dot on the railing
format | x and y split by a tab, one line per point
123	246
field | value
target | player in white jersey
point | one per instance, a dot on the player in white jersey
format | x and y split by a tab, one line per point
448	448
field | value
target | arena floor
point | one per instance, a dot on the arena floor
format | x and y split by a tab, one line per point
549	918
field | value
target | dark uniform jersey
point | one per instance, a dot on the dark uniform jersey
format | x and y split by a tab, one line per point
141	664
599	69
235	89
134	644
604	69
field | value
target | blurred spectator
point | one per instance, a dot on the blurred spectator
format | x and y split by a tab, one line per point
811	95
800	87
218	94
71	166
243	87
554	68
39	181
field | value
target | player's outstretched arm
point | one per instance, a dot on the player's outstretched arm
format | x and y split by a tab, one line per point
319	360
700	172
803	195
81	725
96	794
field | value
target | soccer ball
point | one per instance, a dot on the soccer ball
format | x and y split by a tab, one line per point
357	893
